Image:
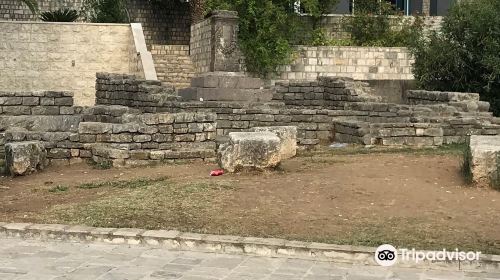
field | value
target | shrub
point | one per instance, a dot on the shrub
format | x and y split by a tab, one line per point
105	11
61	15
320	38
464	55
377	23
267	30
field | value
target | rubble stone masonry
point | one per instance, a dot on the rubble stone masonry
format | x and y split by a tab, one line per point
138	122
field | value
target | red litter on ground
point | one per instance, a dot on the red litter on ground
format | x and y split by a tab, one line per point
217	172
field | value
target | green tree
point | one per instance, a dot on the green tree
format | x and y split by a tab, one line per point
268	29
105	11
465	54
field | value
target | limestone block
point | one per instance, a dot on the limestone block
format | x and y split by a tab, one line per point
254	150
24	158
484	161
287	136
95	128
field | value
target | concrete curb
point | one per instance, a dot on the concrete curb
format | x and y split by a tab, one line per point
268	247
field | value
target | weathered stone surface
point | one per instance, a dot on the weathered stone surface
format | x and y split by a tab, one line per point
485	160
95	128
253	150
24	158
287	136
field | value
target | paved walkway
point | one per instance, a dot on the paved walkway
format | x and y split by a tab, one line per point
38	260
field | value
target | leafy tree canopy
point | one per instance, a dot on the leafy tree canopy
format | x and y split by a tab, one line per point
465	54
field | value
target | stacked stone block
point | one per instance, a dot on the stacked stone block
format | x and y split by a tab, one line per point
465	101
389	134
63	148
36	103
315	107
294	93
333	93
226	86
127	90
151	138
456	125
360	63
173	64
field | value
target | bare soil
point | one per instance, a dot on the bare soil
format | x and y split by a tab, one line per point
406	199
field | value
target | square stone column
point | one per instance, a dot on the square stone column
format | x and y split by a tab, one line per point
214	43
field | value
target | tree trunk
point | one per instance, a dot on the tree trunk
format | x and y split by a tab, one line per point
197	10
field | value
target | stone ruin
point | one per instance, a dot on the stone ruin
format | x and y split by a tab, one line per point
137	122
483	162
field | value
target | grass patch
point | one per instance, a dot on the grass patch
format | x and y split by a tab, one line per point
162	204
103	165
59	189
406	233
132	184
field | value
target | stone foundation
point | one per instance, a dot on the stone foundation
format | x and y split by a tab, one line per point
138	122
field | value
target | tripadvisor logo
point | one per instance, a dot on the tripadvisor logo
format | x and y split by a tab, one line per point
387	255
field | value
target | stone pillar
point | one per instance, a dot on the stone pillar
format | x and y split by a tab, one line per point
214	43
225	51
426	7
218	62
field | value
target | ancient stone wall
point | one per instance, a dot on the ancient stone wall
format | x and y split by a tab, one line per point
323	93
63	56
415	97
139	122
36	103
151	138
413	125
360	63
316	108
313	118
132	139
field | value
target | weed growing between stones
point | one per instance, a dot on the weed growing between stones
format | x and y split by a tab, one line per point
134	184
59	189
103	165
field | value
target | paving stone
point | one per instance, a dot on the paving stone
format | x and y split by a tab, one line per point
32	259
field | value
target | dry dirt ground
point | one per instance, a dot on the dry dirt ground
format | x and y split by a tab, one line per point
406	199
